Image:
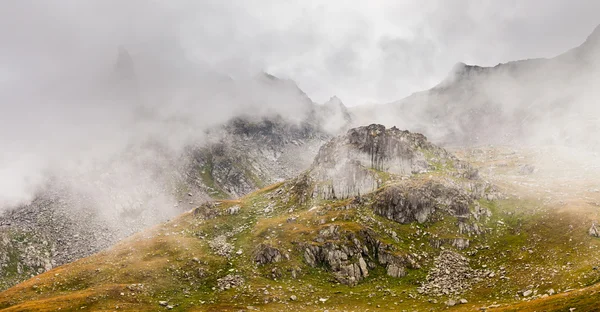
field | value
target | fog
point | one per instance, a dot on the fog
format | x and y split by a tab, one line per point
103	97
544	101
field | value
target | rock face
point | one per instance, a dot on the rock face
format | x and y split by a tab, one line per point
353	164
351	257
346	262
405	203
247	154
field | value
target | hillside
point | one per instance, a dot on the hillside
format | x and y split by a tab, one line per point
412	228
75	214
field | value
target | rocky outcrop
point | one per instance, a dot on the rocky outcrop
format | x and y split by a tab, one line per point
351	257
358	162
345	261
593	231
388	255
405	203
267	254
247	154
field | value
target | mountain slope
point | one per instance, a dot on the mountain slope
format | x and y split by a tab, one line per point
292	246
218	154
539	101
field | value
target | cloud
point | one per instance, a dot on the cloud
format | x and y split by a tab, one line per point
61	105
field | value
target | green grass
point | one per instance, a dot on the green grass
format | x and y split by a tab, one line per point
162	259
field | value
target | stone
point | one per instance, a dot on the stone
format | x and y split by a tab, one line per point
230	281
233	210
593	231
267	254
363	267
395	270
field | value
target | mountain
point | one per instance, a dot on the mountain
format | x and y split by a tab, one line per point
409	226
225	155
536	101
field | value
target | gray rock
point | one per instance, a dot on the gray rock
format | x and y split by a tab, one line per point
266	254
396	271
233	210
593	231
347	165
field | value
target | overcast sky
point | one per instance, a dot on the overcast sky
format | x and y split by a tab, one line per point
362	51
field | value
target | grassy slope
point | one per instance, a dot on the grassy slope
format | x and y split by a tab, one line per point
541	246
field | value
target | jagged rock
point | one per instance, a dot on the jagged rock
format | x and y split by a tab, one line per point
348	165
405	203
385	254
345	259
527	293
267	254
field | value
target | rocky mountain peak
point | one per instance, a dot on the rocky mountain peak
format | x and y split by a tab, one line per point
334	101
362	159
